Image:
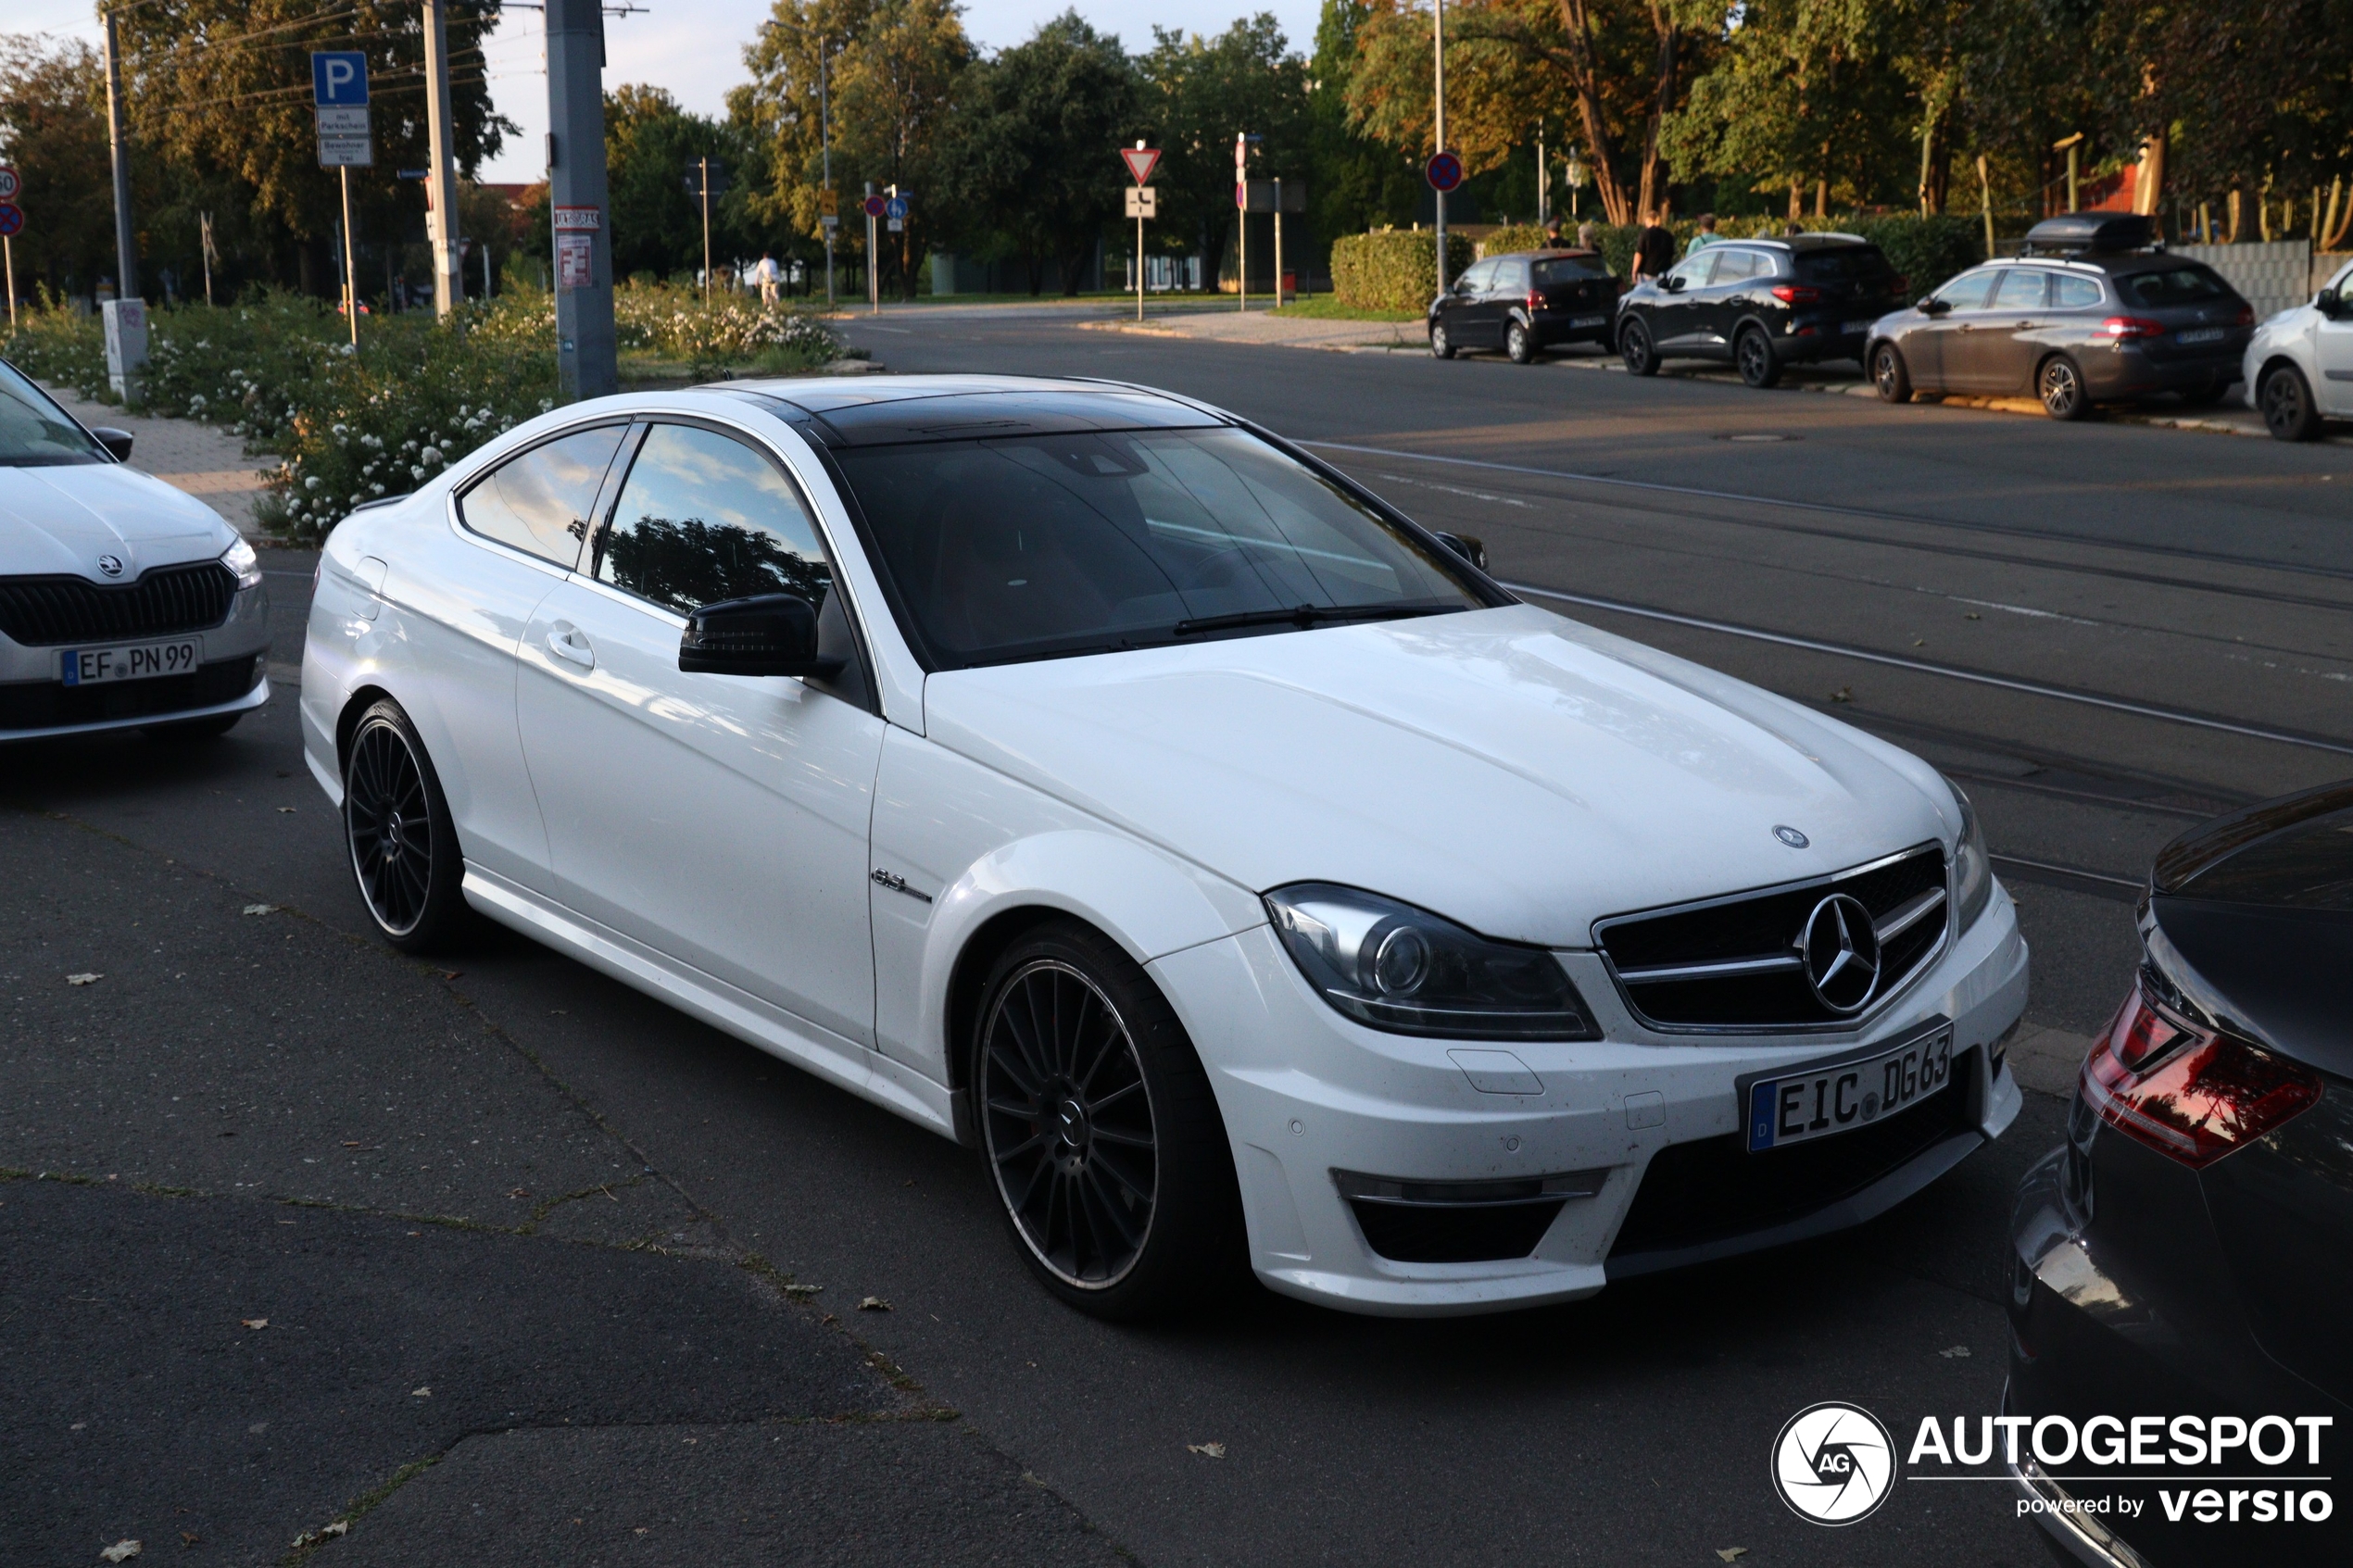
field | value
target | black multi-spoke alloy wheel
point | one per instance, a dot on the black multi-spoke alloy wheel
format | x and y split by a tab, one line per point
1634	347
2286	401
2060	385
1760	367
404	849
1440	345
1890	375
1100	1130
1520	343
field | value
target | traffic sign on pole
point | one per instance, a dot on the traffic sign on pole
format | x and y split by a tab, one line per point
11	220
1143	200
10	184
339	87
338	78
1445	171
1141	161
873	207
895	208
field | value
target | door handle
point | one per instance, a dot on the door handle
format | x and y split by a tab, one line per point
566	642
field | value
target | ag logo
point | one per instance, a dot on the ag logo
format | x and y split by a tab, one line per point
1833	1463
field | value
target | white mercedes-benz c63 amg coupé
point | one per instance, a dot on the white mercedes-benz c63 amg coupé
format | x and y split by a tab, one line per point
1103	782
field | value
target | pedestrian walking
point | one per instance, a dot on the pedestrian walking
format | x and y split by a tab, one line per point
1585	235
1707	235
1653	249
767	274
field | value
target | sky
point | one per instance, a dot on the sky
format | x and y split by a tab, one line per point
695	48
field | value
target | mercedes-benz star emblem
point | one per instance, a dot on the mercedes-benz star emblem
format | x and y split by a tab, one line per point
1841	950
1790	837
110	565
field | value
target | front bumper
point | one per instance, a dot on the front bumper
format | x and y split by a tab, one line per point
1312	1100
229	678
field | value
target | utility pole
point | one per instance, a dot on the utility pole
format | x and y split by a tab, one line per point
1242	220
204	229
2074	146
585	348
1543	191
826	152
126	247
1438	32
441	184
874	273
702	190
1278	242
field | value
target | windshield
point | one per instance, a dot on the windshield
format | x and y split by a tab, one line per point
2186	284
1568	270
35	432
1035	547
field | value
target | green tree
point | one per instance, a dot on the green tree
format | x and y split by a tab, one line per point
1359	183
53	131
1196	95
657	221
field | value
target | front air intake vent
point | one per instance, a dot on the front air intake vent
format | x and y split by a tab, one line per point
53	611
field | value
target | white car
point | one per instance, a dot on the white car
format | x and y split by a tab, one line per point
124	603
1093	778
2298	368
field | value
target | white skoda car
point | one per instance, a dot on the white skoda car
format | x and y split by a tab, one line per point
124	603
1099	780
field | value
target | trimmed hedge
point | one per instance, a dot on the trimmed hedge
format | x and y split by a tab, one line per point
1514	237
1393	270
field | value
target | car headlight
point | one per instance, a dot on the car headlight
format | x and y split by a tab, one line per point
1972	871
1405	970
242	559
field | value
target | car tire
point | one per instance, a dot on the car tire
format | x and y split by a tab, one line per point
2059	383
1441	345
1635	347
2285	398
1890	374
1520	343
1753	352
409	880
192	732
1112	1171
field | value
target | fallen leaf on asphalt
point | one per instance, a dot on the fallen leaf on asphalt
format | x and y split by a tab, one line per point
1972	615
189	1537
121	1552
254	1322
308	1538
1732	1553
1843	694
513	1192
287	810
340	1527
421	1393
261	909
1206	1450
1957	1353
1920	642
828	1318
803	1291
83	978
873	1304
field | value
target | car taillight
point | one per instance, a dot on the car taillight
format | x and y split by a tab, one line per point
2189	1093
2124	328
1899	286
1535	301
2246	316
1796	294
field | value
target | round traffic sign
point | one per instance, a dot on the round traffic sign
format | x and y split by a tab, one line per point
872	206
11	219
9	184
1445	171
895	208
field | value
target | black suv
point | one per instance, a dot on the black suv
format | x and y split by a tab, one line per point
1525	303
2093	311
1761	304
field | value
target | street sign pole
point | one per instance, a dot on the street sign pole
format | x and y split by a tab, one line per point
1142	200
11	220
1278	242
703	165
1242	221
441	184
832	220
8	249
872	209
350	261
1437	27
126	247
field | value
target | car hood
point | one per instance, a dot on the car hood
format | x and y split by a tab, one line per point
59	520
1514	771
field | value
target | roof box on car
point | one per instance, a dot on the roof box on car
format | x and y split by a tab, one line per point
2074	233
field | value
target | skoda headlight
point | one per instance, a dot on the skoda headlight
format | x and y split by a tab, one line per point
1973	873
1405	970
242	559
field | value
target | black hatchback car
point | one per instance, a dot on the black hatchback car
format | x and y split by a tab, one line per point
1761	304
2091	312
2183	1266
1525	303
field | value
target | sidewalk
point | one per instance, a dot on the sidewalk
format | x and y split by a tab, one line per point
207	463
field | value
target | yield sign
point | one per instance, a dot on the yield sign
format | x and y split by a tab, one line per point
1141	161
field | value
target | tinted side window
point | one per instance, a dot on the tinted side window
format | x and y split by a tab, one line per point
1568	270
1695	270
2021	290
1511	277
540	501
704	518
1849	264
2074	293
1739	266
2186	284
1969	291
1477	280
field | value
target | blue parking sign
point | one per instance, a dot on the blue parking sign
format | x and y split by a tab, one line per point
338	77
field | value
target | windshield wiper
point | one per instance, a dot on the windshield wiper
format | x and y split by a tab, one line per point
1312	615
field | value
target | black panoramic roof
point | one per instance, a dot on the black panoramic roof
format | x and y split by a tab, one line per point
883	411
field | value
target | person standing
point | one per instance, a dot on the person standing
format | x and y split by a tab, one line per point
1585	235
1707	235
767	275
1653	249
1552	240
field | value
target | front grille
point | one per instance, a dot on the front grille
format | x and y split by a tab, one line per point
1712	1190
1734	964
52	612
1460	1221
43	705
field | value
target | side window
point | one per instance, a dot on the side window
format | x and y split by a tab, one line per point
1739	266
704	518
2023	288
2074	293
1969	291
1511	277
1476	281
1695	270
539	500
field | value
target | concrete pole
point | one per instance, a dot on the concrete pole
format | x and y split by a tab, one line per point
826	152
441	182
1438	33
126	245
585	352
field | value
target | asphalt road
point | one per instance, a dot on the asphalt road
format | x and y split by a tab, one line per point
520	1239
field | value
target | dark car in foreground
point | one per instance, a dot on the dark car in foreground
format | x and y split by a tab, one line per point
2187	1255
2093	312
1525	303
1760	304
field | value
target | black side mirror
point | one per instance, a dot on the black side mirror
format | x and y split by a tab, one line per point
768	634
1672	282
116	442
1469	547
1933	307
2329	303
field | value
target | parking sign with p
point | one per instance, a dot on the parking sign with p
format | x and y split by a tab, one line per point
339	77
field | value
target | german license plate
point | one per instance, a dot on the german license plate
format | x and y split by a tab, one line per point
2200	334
1587	321
132	661
1839	1097
1862	326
